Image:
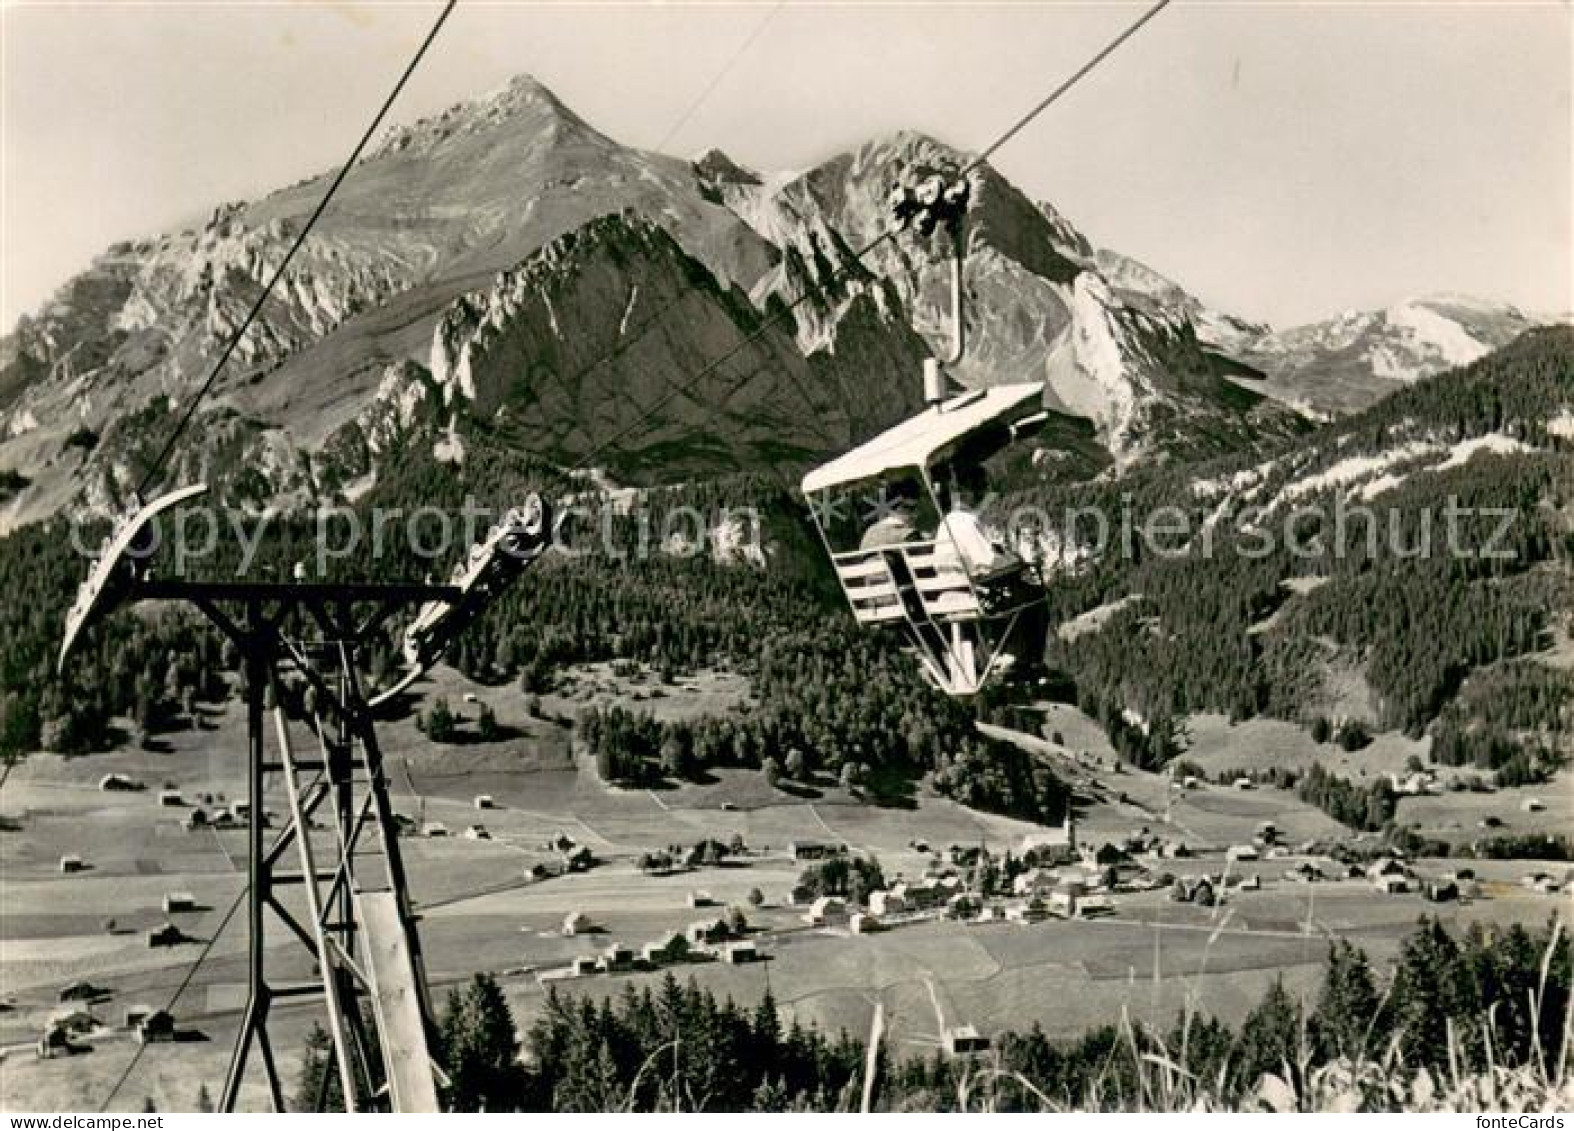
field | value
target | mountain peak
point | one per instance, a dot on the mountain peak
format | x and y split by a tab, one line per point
716	167
522	101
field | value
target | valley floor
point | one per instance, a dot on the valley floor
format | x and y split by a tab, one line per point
1148	957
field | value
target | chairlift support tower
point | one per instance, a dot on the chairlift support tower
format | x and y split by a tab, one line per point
353	916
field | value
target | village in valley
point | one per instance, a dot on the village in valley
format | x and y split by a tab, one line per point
959	923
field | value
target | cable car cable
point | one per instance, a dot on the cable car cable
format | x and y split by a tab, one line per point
857	258
1054	95
191	973
278	272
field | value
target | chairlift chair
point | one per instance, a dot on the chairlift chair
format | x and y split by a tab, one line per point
965	628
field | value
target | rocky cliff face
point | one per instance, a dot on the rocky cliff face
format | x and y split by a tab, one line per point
471	257
557	351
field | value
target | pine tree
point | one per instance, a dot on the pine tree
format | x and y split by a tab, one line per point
480	1049
317	1068
1346	1021
1270	1038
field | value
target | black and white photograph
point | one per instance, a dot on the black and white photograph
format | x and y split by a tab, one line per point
786	556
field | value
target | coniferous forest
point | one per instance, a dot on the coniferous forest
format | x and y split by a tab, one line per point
1454	1005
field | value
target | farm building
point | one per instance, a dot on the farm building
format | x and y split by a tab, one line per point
576	923
176	902
1242	852
71	863
1244	783
477	832
1098	856
156	1027
1251	883
862	923
167	935
582	965
1385	866
827	911
73	1021
886	903
962	905
484	801
813	849
1051	845
578	859
1027	910
82	991
616	957
920	894
434	828
171	798
136	1014
1533	805
964	1040
708	932
53	1042
197	819
118	783
1412	784
1440	891
1391	884
671	947
741	952
701	899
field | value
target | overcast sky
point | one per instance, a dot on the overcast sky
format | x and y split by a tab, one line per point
1284	161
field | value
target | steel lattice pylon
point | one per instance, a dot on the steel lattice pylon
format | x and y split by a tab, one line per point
299	642
298	645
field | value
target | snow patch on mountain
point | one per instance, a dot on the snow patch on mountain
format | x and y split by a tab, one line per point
1495	443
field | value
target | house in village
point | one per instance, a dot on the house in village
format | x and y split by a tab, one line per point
668	950
82	991
883	903
54	1041
814	849
166	935
156	1027
964	1040
827	911
1050	846
615	958
740	953
179	902
708	932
